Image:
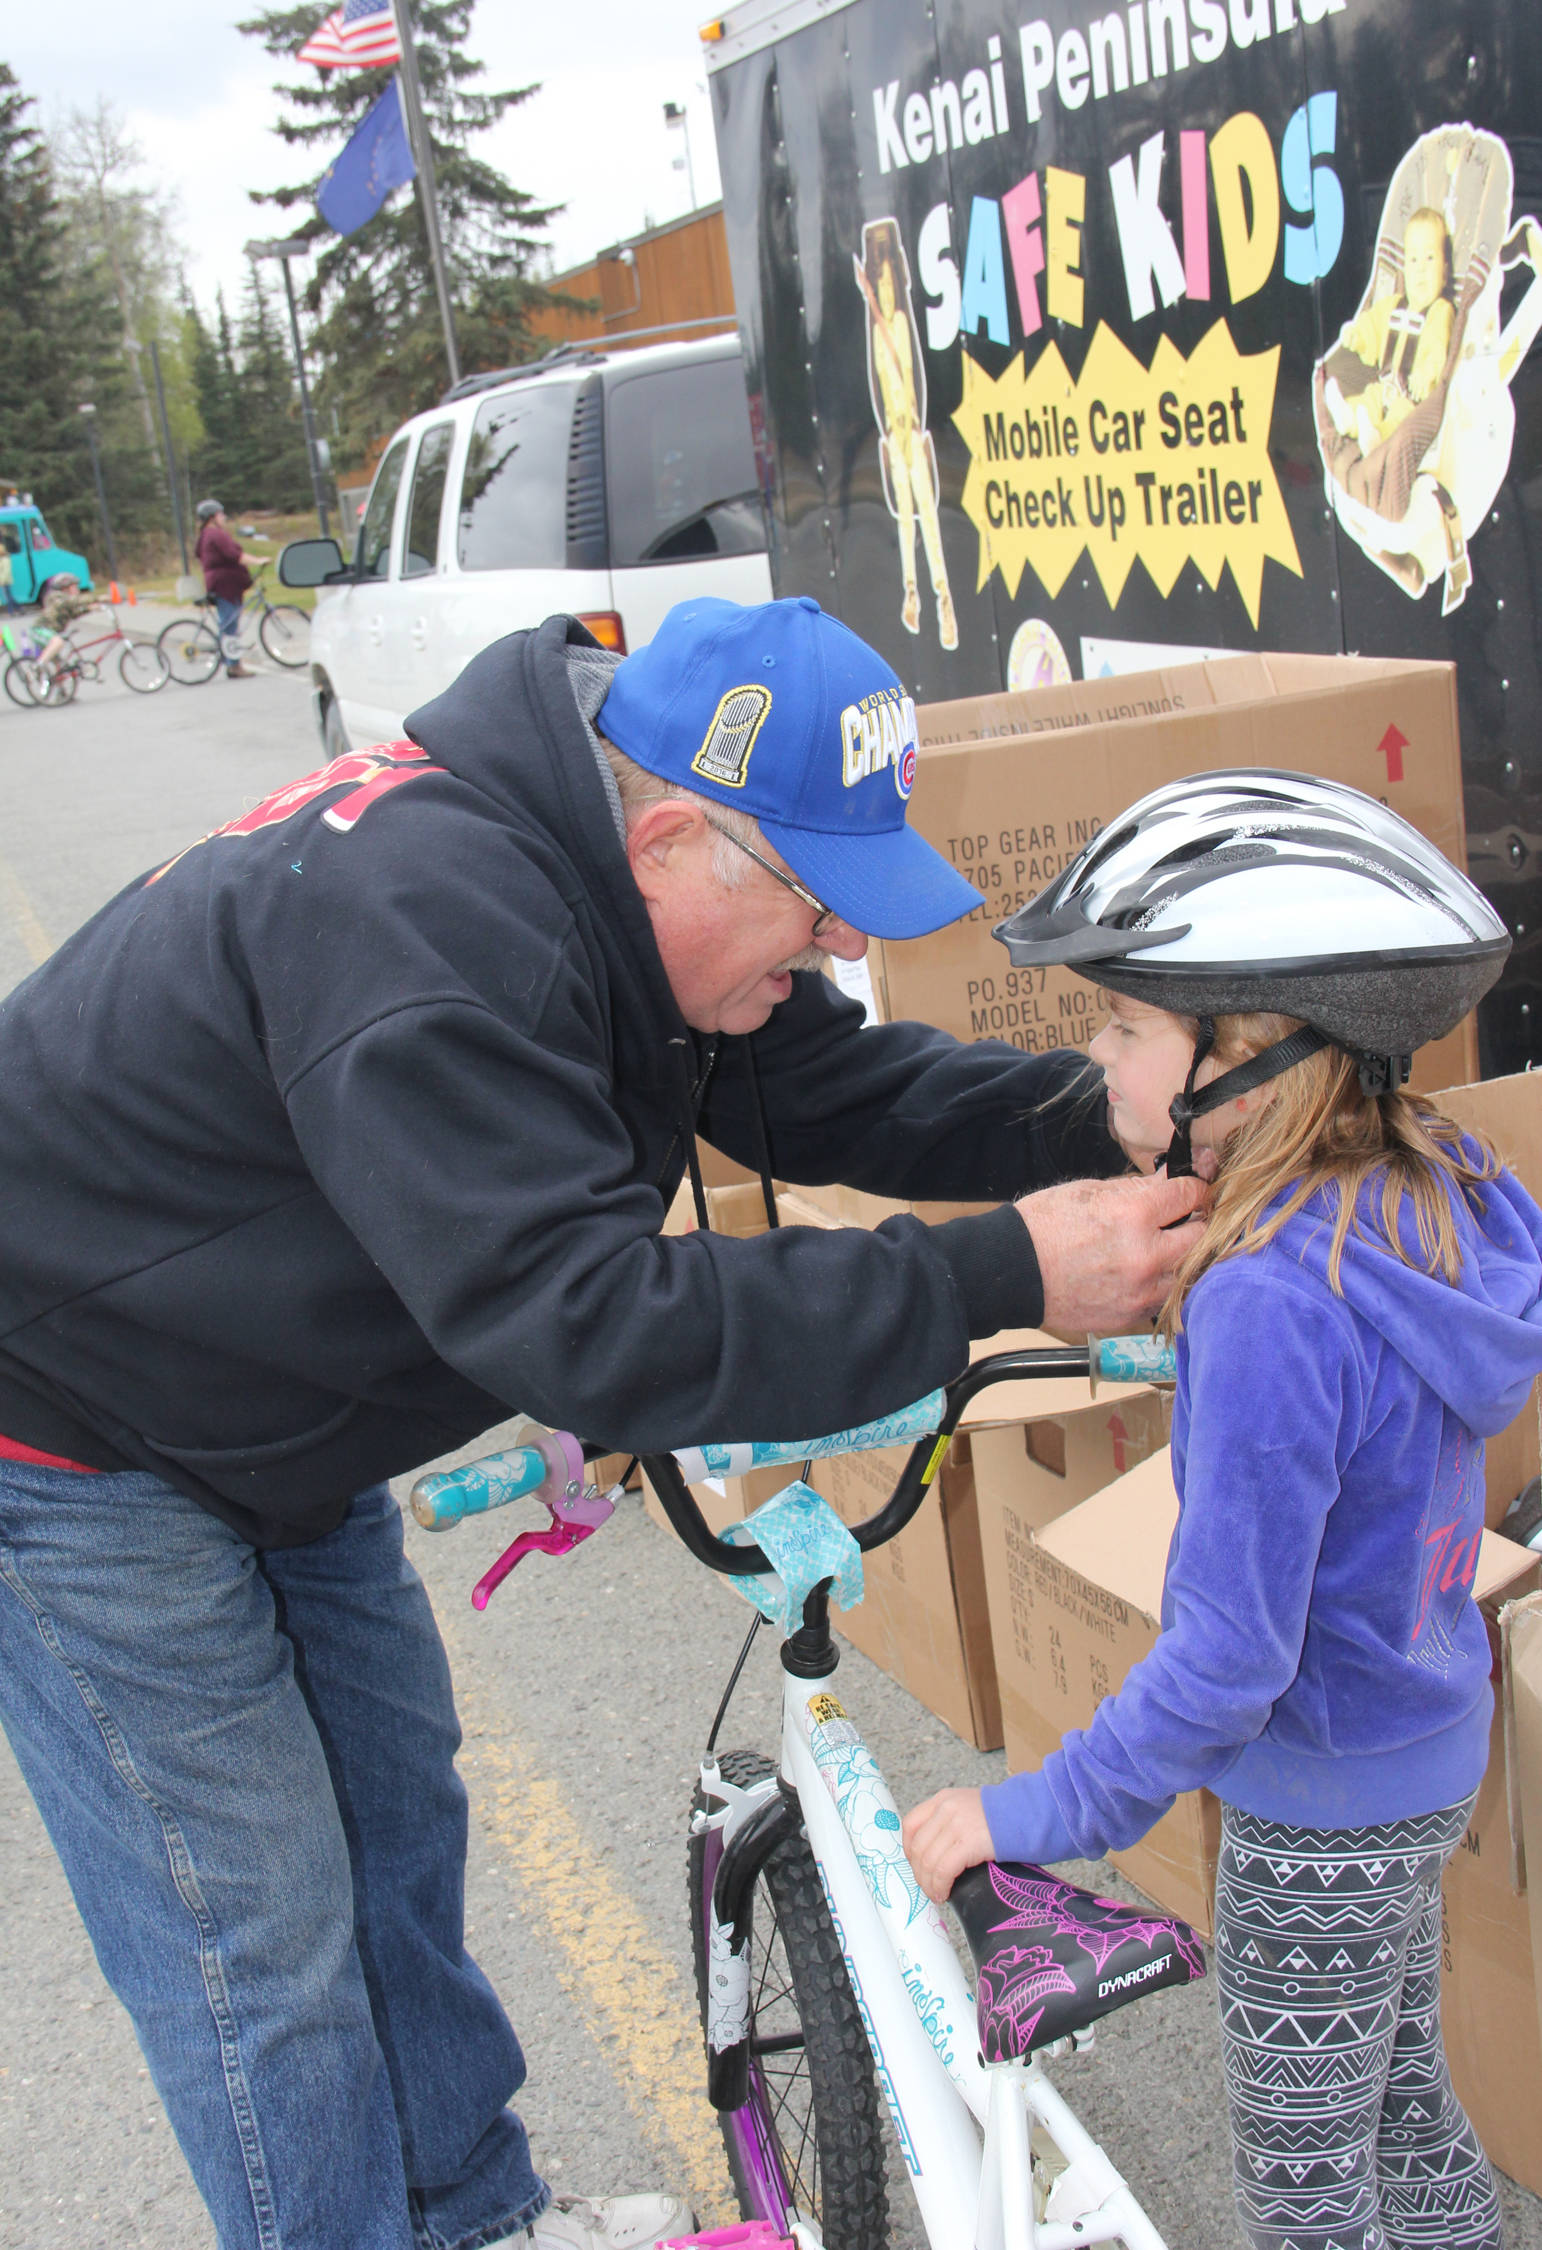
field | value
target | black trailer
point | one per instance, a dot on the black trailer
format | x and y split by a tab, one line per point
1078	337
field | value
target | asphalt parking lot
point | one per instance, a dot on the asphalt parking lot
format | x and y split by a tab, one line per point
585	1689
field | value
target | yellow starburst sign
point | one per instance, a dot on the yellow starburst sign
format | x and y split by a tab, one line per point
1170	463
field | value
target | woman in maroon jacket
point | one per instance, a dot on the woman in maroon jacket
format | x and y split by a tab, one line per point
226	577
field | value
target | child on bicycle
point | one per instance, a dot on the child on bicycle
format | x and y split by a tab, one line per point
1362	1310
63	603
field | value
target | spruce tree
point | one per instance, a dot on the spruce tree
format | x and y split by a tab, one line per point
219	464
274	473
378	343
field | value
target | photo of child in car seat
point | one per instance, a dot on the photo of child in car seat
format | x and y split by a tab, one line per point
1415	420
1395	353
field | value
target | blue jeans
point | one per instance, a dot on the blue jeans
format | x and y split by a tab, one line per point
245	1761
229	614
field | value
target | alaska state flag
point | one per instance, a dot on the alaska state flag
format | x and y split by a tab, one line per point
376	159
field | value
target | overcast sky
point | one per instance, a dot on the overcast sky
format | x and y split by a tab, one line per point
199	99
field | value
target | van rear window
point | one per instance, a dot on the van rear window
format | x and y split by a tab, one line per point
513	494
681	466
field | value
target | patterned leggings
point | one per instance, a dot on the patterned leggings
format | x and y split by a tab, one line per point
1346	2134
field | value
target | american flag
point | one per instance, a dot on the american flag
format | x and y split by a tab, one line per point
361	35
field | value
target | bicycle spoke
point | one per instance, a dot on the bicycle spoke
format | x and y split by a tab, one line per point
779	2110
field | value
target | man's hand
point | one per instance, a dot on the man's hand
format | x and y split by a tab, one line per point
1105	1259
943	1836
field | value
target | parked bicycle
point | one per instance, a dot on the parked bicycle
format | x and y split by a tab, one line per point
41	674
823	1973
192	647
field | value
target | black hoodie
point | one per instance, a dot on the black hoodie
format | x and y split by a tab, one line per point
352	1131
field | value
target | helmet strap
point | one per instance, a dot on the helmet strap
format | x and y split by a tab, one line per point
1269	1062
1182	1110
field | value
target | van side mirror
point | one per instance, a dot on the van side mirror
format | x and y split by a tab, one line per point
312	562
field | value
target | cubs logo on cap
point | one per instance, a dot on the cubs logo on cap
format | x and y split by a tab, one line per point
784	712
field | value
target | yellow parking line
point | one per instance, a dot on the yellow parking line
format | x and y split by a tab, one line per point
628	1992
36	942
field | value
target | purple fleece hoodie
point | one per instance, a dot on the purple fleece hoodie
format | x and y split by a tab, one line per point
1321	1660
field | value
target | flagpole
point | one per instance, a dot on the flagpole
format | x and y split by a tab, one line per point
423	156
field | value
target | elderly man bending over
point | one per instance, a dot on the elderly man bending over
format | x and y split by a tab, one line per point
328	1145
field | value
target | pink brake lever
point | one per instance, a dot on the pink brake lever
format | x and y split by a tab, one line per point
576	1515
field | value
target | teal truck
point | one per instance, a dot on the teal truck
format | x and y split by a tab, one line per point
35	560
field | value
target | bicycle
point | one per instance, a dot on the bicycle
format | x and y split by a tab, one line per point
192	646
823	1974
34	679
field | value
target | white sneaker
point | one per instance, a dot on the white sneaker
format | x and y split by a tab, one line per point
608	2222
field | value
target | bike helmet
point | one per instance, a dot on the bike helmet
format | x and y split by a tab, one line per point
208	509
1250	890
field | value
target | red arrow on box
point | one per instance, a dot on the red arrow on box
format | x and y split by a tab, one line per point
1391	747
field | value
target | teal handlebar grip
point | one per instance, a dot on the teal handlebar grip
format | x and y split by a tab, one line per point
1131	1359
440	1501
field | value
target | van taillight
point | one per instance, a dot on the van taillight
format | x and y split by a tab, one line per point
605	625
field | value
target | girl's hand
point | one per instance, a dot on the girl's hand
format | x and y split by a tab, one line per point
943	1836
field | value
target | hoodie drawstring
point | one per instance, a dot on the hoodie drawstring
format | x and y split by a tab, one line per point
688	1094
762	1137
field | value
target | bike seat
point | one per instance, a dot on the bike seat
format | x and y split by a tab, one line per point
1050	1959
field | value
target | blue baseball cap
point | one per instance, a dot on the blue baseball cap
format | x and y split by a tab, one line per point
782	711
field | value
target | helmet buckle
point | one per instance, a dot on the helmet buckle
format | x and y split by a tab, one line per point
1384	1074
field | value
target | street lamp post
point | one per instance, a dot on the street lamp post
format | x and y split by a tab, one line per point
296	246
88	414
677	121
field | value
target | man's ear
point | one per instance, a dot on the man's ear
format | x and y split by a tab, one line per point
661	832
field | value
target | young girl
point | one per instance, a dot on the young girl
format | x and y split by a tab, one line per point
1364	1308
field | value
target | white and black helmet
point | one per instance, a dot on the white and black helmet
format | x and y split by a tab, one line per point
1251	890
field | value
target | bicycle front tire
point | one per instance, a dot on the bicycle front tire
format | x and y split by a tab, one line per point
142	666
191	650
814	2106
285	633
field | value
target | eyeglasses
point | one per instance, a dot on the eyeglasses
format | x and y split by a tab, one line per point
823	915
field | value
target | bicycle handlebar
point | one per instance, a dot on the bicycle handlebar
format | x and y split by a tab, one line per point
445	1497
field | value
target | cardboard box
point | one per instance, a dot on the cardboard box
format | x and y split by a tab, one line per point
1522	1745
1080	1606
1010	787
1488	1987
1029	1472
1488	1994
1509	1111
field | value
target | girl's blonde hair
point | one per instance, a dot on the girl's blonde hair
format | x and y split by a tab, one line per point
1321	1132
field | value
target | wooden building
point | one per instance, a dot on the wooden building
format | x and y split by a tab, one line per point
671	282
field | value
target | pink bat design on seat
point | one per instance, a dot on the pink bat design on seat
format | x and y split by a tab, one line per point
1050	1904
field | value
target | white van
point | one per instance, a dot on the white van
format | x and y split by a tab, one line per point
607	483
